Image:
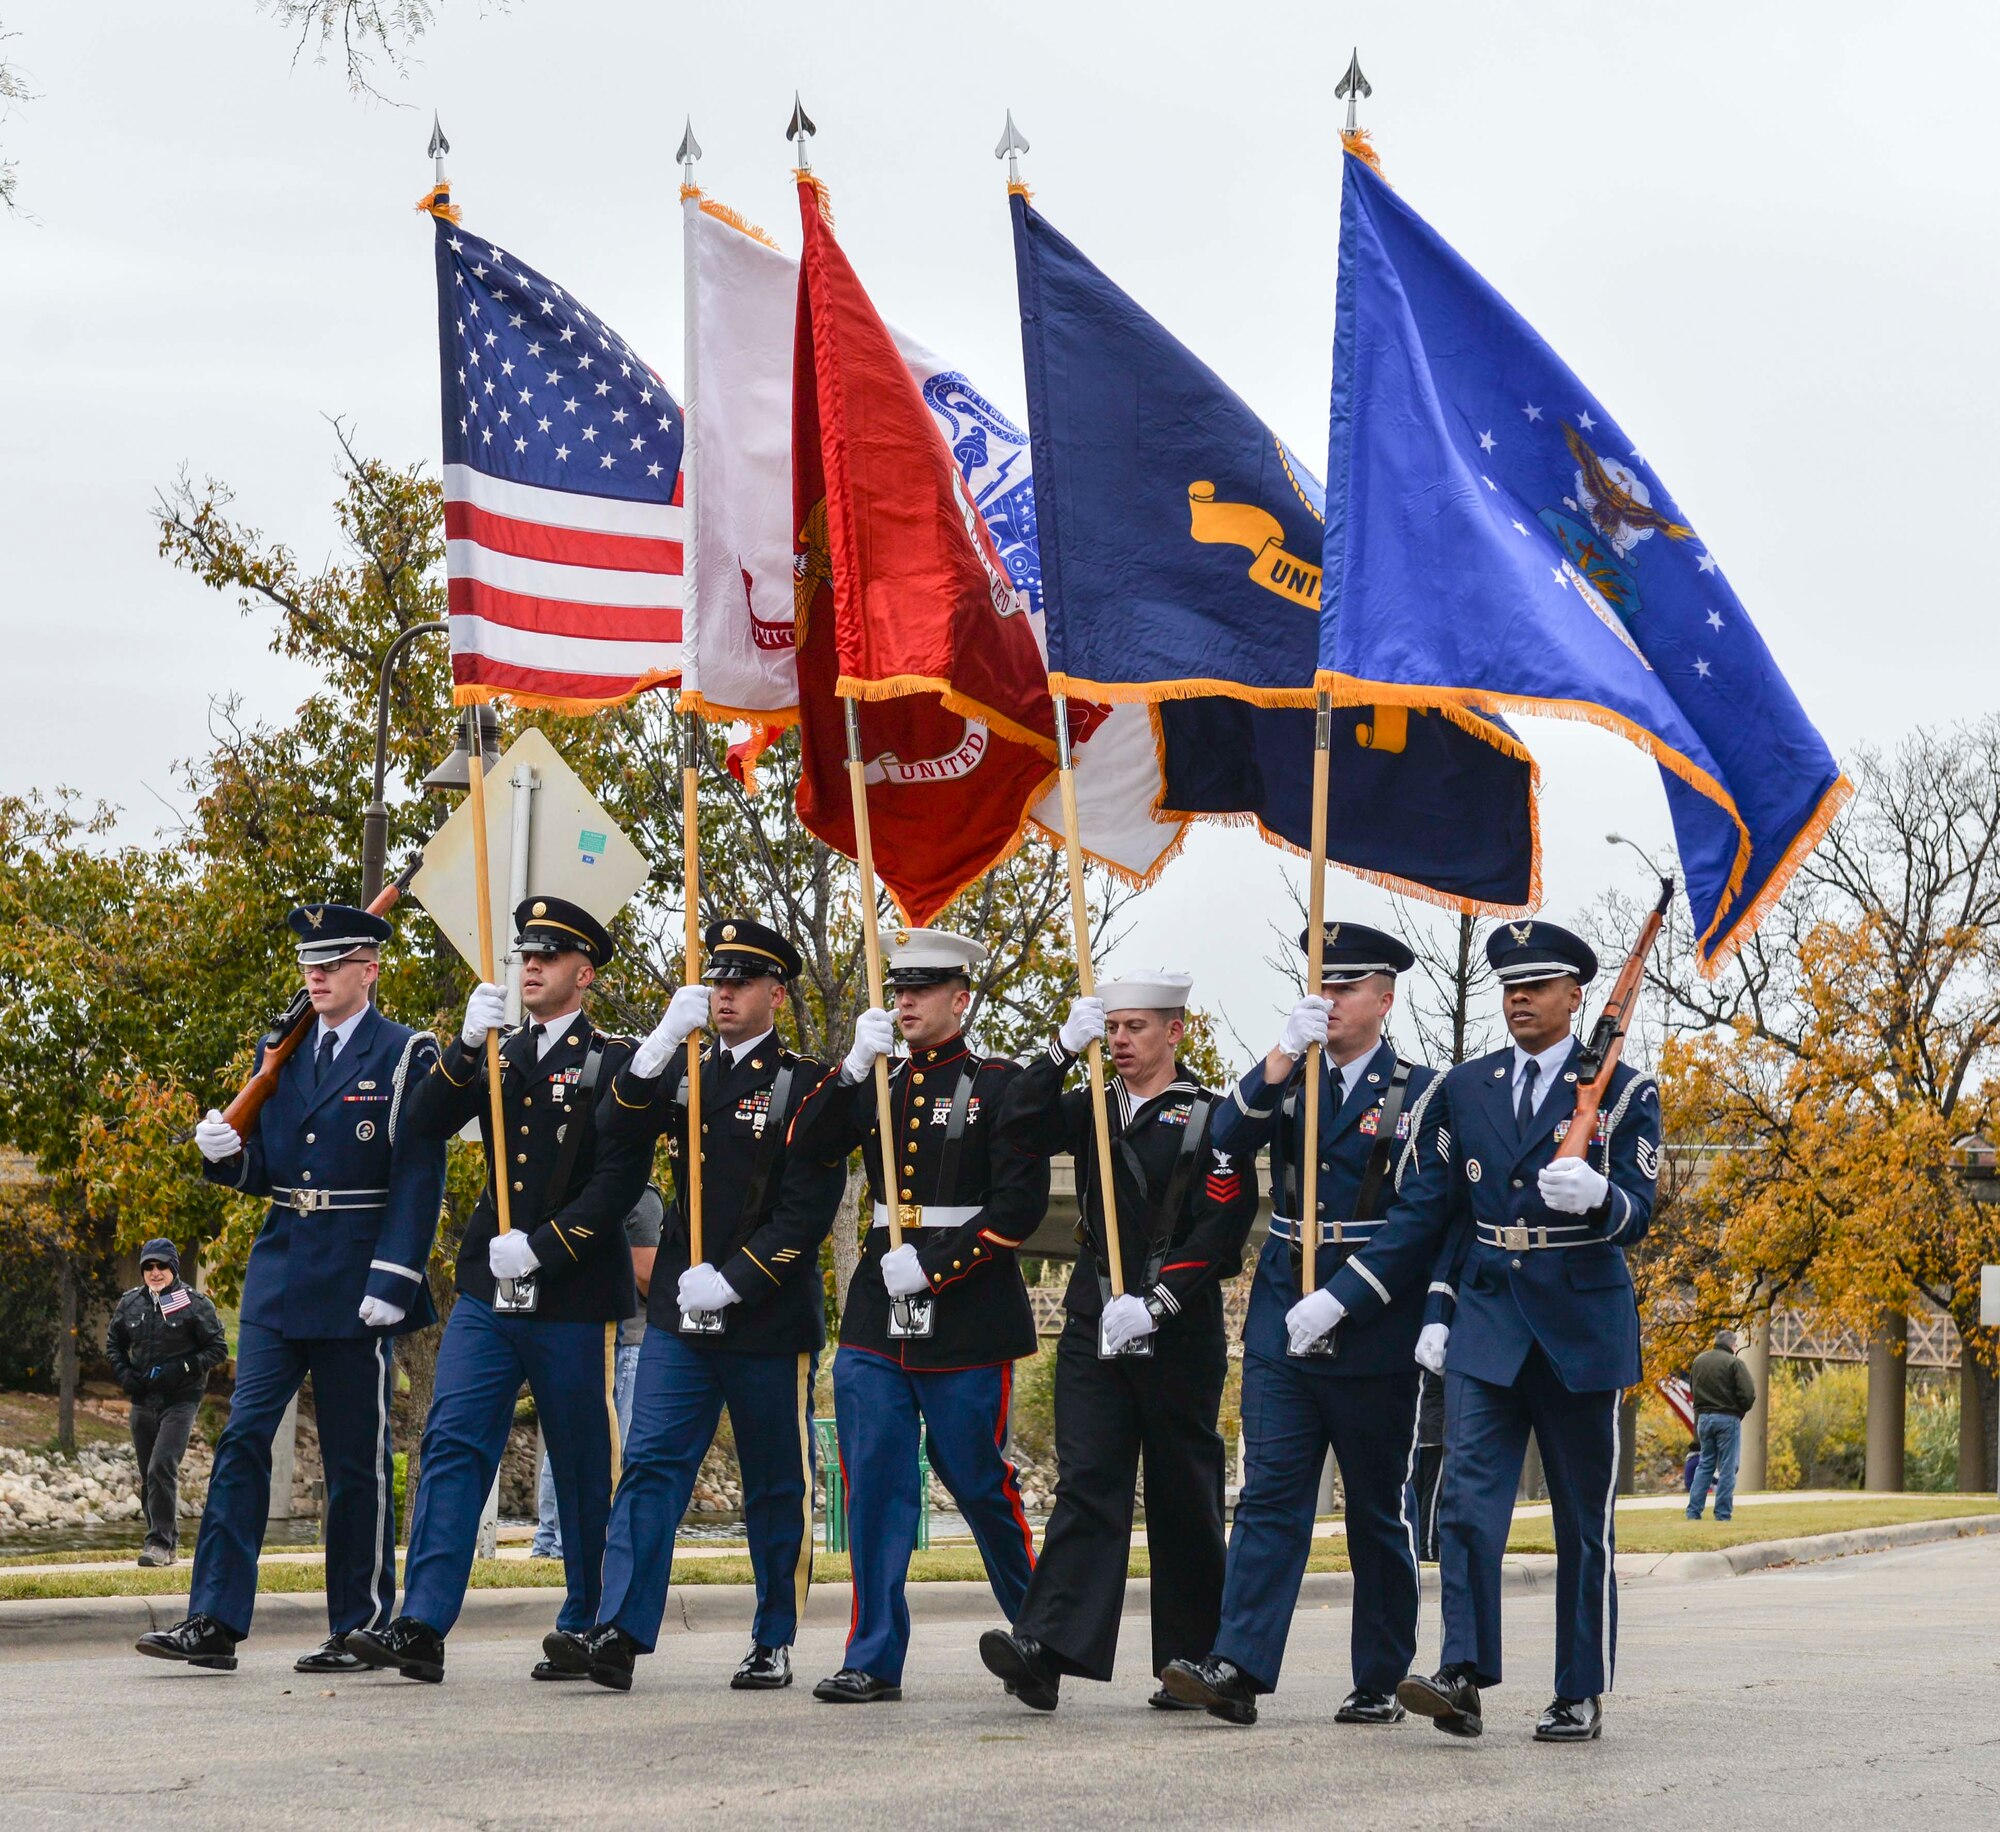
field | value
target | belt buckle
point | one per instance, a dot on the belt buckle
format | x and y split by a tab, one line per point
909	1216
1515	1239
305	1202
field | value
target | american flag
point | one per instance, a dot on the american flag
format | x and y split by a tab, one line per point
562	490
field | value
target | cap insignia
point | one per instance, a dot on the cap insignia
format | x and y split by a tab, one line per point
728	931
1522	932
316	917
540	909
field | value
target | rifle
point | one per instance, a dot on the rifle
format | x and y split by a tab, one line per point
286	1030
1601	1050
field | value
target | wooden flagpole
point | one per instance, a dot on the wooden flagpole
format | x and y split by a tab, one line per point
864	857
1308	1218
1086	979
482	898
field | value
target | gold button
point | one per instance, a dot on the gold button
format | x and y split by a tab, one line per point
914	1124
918	1078
527	1100
906	1195
704	1125
517	1186
520	1157
958	1265
919	1101
524	1132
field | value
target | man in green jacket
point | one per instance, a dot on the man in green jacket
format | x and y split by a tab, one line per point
1723	1393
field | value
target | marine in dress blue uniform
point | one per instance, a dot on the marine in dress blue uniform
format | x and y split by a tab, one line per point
541	1303
1534	1308
336	1273
743	1328
1359	1400
1184	1207
966	1201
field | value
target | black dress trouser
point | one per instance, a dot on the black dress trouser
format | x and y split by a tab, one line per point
1110	1415
160	1430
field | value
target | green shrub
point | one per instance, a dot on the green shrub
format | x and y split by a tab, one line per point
1819	1428
1930	1441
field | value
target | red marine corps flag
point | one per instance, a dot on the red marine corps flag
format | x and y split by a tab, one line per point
902	602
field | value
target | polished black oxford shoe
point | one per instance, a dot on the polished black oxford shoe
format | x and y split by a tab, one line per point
851	1686
1220	1687
1163	1700
563	1657
1020	1662
1364	1707
201	1641
609	1654
413	1648
1570	1720
762	1669
331	1656
1448	1698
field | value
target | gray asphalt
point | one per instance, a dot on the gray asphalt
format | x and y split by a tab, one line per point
1864	1692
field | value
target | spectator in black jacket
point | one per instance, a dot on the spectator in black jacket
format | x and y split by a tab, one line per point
164	1339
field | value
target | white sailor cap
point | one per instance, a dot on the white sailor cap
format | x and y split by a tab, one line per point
1151	990
929	957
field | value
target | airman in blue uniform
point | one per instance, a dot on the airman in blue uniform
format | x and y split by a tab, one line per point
337	1272
1533	1319
1334	1369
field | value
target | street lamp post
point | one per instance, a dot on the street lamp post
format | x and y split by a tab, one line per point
375	821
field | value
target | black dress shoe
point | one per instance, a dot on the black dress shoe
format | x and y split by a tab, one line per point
413	1648
609	1655
1570	1720
851	1686
1448	1698
331	1656
1163	1700
201	1641
1220	1687
1364	1707
547	1669
1021	1663
762	1669
564	1655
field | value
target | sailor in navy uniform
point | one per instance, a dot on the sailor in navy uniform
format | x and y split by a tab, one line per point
541	1303
1184	1207
966	1201
1533	1319
1334	1370
743	1328
337	1271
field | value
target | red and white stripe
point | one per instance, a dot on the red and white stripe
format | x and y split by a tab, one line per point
558	597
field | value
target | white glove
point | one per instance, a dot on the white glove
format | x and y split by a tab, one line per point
686	1013
1571	1187
1430	1347
1126	1319
1312	1317
379	1313
874	1035
485	1011
903	1272
508	1256
703	1288
1305	1025
1083	1027
215	1138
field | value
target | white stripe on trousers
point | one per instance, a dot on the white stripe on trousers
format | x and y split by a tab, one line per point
1607	1645
1403	1496
384	1477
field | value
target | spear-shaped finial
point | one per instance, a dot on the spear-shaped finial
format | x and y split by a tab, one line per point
687	153
800	129
1013	143
1353	86
439	147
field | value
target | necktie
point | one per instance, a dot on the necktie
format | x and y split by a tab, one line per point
329	1041
535	1034
1524	1108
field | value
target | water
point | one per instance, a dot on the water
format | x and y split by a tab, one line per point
129	1535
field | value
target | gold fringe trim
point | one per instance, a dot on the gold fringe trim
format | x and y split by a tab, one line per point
899	686
437	202
777	717
821	194
724	214
1746	925
479	694
1018	188
1363	148
1150	693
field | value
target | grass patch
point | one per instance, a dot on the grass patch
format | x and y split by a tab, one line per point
1669	1530
28	1422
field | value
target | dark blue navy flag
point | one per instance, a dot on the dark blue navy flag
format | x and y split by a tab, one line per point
1494	540
1179	541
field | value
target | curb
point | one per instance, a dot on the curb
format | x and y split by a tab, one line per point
62	1627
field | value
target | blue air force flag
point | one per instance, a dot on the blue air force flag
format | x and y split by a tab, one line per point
1494	540
1179	541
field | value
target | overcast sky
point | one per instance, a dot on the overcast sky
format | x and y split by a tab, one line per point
1766	236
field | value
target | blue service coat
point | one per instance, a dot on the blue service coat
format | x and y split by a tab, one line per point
354	1193
1378	1271
1565	1286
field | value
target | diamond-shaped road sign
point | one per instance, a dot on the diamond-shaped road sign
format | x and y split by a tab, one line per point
574	850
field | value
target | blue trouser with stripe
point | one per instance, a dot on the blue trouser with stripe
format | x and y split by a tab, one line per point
881	1410
351	1378
482	1361
677	1400
1486	1437
1293	1412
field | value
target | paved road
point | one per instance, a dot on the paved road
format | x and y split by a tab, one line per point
1864	1692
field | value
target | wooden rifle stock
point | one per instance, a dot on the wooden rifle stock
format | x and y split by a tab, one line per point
1598	1058
289	1027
